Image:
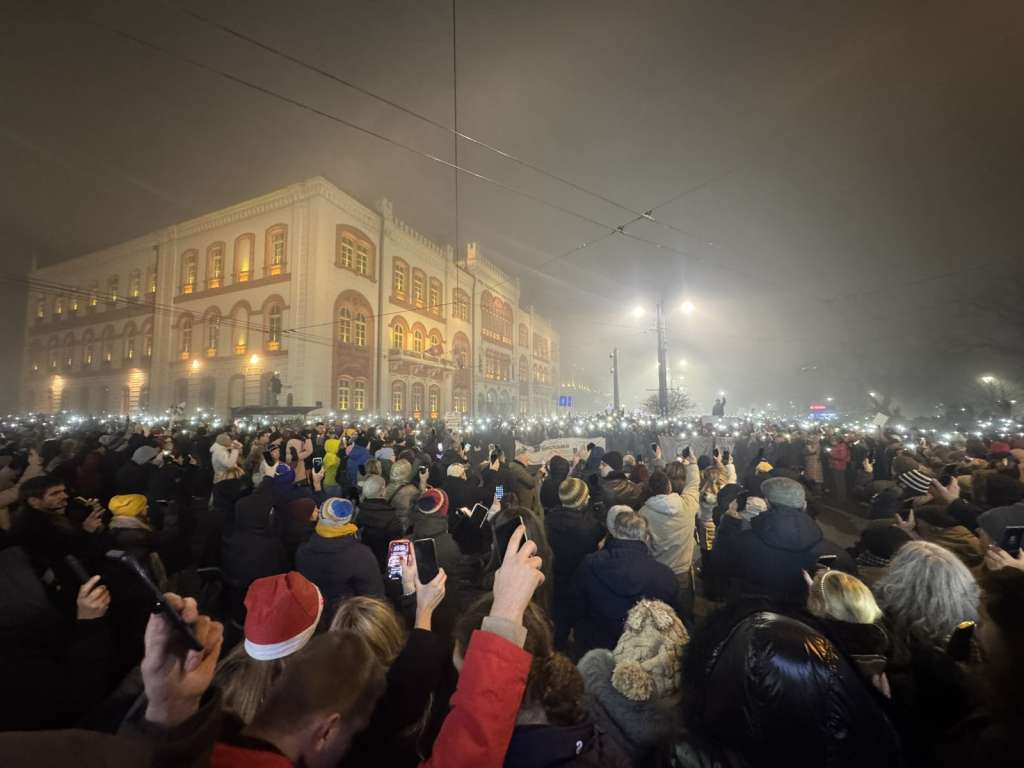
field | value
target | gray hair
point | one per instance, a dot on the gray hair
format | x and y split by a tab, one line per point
631	526
373	487
926	591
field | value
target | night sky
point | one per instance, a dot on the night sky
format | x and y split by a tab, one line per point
837	187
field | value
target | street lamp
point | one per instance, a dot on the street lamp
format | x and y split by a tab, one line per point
638	311
988	379
687	307
683	363
872	394
254	360
196	365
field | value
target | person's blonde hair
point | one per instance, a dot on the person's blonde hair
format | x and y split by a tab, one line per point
840	596
376	622
712	480
244	682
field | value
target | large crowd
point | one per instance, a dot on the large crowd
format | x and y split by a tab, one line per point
333	594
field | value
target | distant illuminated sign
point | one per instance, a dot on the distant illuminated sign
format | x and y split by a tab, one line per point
565	401
818	408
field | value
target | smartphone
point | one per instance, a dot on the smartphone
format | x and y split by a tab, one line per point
478	514
827	561
426	560
440	448
503	535
959	646
423	471
499	492
159	606
77	568
397	549
318	463
268	457
686	452
654	447
1010	542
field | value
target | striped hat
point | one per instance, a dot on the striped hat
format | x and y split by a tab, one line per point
573	493
282	613
915	480
433	501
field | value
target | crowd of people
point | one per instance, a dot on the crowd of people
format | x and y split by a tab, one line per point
342	595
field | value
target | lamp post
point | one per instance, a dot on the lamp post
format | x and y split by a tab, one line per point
615	378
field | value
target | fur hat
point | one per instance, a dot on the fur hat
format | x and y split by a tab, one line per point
573	493
281	615
613	459
647	656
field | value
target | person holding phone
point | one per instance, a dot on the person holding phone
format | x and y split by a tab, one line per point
357	457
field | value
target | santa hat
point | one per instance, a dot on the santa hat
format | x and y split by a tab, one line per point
282	613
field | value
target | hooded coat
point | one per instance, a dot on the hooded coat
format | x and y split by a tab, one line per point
672	525
357	458
341	567
558	468
639	728
572	535
608	584
254	548
331	461
401	492
769	557
222	458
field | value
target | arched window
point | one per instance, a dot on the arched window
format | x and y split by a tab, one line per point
88	350
359	330
215	265
461	305
58	307
186	337
400	279
243	257
398	397
147	340
435	296
129	344
435	402
398	335
417	400
107	346
344	393
212	334
436	348
419	288
359	395
94	290
69	352
151	280
276	249
417	340
51	362
345	325
346	250
135	284
524	335
74	304
40	309
189	271
240	328
274	327
113	289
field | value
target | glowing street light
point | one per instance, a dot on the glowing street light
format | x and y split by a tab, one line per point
683	363
687	307
873	394
638	311
196	365
254	360
988	379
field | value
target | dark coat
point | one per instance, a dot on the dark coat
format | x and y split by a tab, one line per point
547	746
525	487
357	457
616	488
462	493
378	526
769	557
254	549
411	679
608	584
572	535
341	567
135	478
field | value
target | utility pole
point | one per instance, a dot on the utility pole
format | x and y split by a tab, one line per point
615	377
662	368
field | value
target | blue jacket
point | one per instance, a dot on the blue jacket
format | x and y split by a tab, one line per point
357	458
341	567
608	584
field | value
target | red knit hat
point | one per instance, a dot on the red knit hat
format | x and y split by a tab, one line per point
281	615
999	446
433	501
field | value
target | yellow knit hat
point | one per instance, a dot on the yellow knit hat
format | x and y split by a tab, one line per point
128	505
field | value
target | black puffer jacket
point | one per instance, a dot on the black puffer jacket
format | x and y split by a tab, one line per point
378	526
254	549
547	746
572	535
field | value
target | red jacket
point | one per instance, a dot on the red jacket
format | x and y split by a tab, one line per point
839	456
486	702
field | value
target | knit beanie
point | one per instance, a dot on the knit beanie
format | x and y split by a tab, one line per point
127	505
144	454
373	487
614	460
573	493
916	481
282	613
647	656
433	501
284	476
334	515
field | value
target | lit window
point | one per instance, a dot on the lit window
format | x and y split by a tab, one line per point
359	396
344	326
190	269
418	290
129	348
93	298
417	341
277	246
274	328
359	336
344	391
113	286
362	261
41	309
151	280
435	402
89	356
74	304
397	397
399	281
147	345
345	251
58	306
398	336
212	335
216	267
135	284
435	297
186	337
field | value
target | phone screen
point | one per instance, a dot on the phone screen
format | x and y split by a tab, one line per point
499	492
440	447
317	464
397	549
426	560
478	514
959	646
503	535
1012	536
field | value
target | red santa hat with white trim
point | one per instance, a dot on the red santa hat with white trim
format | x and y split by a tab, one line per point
282	613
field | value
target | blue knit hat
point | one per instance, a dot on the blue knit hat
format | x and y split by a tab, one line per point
283	475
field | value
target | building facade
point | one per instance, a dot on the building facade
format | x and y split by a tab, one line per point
303	296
